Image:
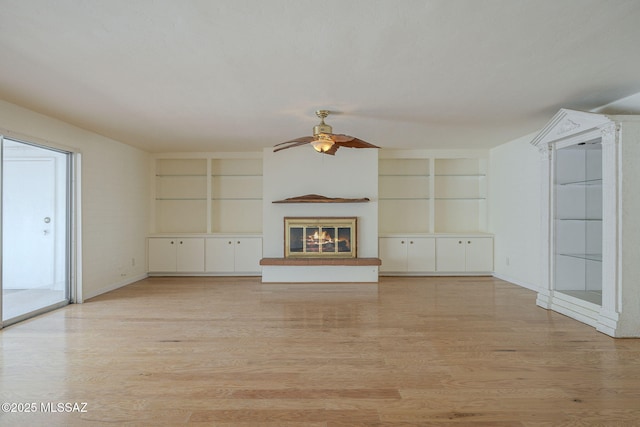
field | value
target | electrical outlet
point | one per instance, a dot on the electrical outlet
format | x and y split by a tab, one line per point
506	261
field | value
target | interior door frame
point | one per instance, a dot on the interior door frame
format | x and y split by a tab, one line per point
73	219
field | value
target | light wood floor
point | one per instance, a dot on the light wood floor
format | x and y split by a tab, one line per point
234	352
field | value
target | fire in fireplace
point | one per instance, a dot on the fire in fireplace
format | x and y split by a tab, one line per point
313	237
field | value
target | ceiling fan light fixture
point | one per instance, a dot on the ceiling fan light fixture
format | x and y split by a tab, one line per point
322	144
324	141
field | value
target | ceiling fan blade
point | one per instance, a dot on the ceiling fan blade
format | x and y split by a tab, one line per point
301	139
351	142
332	151
338	137
294	144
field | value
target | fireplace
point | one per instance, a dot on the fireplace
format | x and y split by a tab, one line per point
312	237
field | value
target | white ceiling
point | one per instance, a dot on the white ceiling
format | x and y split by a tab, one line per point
236	75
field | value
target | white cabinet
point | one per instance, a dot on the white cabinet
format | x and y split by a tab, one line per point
176	255
233	254
464	254
409	254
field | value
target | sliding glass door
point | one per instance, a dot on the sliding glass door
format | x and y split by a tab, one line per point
35	229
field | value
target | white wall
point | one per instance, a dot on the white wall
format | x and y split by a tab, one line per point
514	202
514	211
115	195
351	173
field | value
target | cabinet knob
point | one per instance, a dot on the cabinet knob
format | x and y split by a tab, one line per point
469	241
238	242
180	241
411	242
229	242
459	242
172	242
402	242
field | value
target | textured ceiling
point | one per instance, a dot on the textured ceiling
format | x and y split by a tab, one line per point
236	75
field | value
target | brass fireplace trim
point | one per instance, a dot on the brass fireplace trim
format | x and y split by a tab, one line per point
320	237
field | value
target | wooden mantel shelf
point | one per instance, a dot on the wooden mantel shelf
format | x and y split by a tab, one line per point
315	198
321	261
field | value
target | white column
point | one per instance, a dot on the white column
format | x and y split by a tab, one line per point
546	222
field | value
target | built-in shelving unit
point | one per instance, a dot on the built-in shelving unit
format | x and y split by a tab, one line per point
578	220
208	194
236	195
460	195
181	195
589	208
207	214
432	213
432	194
404	195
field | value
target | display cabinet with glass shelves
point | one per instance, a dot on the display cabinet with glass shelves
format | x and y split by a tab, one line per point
589	220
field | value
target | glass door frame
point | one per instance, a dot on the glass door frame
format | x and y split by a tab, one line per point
73	273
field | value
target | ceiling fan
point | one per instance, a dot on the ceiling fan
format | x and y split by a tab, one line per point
323	140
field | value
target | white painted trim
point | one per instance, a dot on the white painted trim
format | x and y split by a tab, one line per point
76	232
1	211
517	282
208	155
434	154
575	308
23	137
115	286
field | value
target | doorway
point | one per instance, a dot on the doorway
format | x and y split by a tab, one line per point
36	229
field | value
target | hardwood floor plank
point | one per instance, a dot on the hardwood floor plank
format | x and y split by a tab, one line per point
427	351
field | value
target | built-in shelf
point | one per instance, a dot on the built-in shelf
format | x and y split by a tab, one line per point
589	257
583	182
580	219
593	297
238	175
236	198
321	261
180	198
460	198
472	175
315	198
182	175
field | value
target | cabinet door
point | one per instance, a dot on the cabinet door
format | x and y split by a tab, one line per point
248	252
393	253
450	254
162	254
421	254
219	255
479	254
190	256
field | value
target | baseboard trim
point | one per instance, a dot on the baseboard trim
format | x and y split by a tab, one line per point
515	281
112	287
